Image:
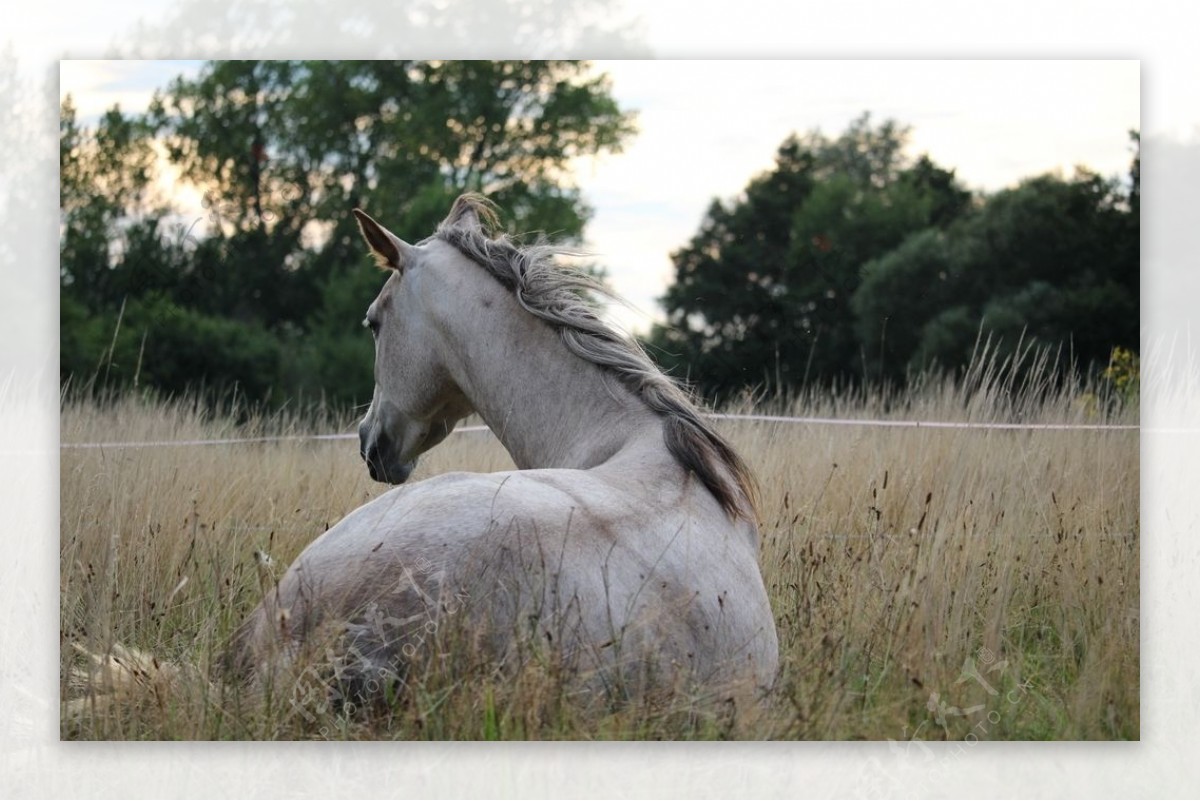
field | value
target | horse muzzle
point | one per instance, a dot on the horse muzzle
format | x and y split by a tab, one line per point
381	460
389	475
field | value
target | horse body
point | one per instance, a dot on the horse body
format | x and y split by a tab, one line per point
625	543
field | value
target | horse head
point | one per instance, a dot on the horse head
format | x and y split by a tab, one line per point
416	403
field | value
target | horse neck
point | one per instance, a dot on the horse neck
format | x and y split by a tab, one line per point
549	407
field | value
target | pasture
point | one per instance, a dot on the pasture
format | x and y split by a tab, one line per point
929	583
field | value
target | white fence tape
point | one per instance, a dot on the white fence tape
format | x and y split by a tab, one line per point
833	421
767	418
176	443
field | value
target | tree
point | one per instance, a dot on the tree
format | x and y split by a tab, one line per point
103	190
284	150
1052	263
762	292
110	248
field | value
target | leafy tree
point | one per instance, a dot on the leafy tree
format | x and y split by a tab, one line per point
1051	262
282	151
279	144
762	292
850	262
104	180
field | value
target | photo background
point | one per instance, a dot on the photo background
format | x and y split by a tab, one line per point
33	762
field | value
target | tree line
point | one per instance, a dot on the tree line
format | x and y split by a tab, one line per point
849	262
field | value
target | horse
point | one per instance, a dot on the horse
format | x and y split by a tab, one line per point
625	543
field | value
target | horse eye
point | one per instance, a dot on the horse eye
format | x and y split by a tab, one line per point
371	324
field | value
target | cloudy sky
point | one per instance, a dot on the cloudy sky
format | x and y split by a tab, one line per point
707	127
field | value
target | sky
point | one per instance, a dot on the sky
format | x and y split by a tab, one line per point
707	127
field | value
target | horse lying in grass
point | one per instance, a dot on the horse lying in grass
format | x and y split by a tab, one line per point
625	545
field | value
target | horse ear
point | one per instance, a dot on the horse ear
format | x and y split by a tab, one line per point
471	212
468	218
390	251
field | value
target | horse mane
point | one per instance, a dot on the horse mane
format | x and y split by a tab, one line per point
555	294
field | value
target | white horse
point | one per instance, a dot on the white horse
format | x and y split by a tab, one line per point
626	543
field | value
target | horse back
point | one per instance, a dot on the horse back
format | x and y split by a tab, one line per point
562	559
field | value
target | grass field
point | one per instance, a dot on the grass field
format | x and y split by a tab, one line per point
927	583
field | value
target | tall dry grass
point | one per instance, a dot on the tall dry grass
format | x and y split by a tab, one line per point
927	583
